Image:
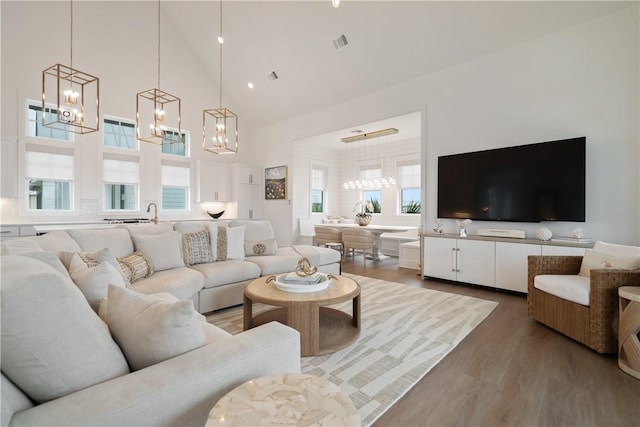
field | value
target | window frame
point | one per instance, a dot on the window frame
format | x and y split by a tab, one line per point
27	178
136	184
120	121
35	124
187	145
187	188
400	185
323	191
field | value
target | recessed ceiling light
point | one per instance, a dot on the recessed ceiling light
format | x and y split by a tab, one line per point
220	40
250	85
340	42
272	76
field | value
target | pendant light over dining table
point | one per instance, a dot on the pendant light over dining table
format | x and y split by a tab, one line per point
220	125
74	93
158	113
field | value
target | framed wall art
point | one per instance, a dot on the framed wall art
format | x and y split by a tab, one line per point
275	183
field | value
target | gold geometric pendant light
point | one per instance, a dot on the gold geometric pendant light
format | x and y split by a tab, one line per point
220	125
158	113
75	94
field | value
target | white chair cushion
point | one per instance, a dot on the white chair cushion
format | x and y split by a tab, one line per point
53	343
569	287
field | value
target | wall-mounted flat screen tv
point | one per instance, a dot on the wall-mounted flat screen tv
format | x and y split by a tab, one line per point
525	183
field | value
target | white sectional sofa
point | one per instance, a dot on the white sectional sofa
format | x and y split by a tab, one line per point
211	285
86	340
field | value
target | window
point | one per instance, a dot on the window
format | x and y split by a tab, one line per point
120	184
175	187
35	128
120	134
174	145
318	188
371	177
48	179
409	183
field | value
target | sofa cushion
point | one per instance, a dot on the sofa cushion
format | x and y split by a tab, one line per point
164	250
183	282
569	287
165	326
91	259
52	341
57	242
194	226
92	240
284	261
20	246
225	272
135	266
94	281
147	229
596	260
254	229
197	247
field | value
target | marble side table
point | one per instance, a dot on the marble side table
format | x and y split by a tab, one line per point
289	399
629	330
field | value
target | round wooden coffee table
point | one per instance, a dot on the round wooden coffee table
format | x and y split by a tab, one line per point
322	329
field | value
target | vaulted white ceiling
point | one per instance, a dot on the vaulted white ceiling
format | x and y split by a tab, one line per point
389	42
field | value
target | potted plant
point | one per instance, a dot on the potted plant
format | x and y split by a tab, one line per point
363	212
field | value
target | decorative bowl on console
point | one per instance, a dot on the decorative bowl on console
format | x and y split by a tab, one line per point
215	215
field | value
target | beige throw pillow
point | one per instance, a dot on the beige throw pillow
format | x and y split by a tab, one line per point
164	250
596	260
197	248
94	281
135	267
164	328
260	247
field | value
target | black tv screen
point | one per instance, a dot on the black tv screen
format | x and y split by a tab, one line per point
526	183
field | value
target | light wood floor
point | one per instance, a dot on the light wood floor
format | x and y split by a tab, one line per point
510	371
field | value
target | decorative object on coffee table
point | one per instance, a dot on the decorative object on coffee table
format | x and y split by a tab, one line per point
305	268
629	330
289	399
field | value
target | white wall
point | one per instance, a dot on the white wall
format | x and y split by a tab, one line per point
581	81
111	43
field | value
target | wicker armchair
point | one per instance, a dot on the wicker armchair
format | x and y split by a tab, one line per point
595	326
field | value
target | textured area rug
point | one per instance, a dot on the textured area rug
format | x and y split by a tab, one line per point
406	331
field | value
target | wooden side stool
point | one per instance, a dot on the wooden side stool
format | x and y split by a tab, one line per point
629	330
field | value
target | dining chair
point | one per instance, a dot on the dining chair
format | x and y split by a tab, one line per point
358	239
329	237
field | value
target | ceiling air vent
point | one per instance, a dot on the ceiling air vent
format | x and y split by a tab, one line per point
272	76
340	42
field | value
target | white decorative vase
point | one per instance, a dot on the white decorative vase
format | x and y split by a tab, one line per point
543	234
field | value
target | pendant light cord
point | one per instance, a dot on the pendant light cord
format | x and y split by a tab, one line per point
220	53
71	36
158	86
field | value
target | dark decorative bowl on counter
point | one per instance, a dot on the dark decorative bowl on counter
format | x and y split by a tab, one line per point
215	215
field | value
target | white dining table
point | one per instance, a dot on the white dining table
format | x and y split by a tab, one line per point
376	229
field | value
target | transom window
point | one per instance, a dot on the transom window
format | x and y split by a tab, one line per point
172	144
35	127
120	134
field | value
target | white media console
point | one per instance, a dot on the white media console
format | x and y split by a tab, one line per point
488	261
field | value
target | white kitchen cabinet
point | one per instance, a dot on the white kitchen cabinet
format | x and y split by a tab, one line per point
249	174
213	182
440	258
248	190
512	265
562	250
